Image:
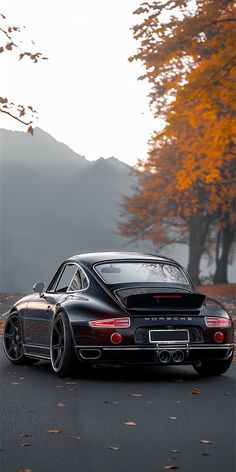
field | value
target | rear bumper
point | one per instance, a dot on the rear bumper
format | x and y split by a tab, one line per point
151	354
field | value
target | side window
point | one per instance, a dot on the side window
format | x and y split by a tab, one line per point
65	278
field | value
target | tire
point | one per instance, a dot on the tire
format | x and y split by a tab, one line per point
13	341
62	351
213	368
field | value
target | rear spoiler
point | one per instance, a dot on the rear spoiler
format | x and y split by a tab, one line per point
165	300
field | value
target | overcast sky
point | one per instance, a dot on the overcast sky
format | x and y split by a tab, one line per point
87	93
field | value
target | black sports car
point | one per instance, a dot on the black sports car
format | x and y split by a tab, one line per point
120	308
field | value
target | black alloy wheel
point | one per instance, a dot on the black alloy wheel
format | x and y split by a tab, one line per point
61	346
13	340
213	368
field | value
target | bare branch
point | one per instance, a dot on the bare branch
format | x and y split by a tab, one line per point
16	117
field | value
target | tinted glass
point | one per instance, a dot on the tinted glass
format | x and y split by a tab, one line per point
66	278
79	281
144	272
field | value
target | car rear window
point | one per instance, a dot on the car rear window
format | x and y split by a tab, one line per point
140	272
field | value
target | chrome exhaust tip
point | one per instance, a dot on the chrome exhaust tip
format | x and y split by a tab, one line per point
164	357
178	356
90	354
230	352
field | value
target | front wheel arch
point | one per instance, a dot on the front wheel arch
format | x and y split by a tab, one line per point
16	354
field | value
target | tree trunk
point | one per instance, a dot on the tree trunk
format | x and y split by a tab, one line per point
227	238
198	229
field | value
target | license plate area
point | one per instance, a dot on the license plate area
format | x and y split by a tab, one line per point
169	336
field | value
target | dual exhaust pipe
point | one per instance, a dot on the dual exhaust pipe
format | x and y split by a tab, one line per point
165	356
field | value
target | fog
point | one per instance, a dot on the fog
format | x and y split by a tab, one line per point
55	203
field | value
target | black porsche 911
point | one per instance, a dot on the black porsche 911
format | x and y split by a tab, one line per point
120	308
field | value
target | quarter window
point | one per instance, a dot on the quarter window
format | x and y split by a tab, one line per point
79	281
65	278
70	279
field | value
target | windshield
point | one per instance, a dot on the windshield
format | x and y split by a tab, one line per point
144	272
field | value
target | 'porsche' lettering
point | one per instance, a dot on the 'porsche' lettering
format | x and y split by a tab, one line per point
169	318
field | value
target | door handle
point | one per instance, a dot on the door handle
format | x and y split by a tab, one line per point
48	309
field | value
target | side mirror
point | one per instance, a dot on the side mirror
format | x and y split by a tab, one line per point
39	288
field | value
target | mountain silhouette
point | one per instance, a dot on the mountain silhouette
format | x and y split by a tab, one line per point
54	203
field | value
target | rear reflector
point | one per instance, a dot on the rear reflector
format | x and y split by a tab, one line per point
215	322
219	337
116	338
111	323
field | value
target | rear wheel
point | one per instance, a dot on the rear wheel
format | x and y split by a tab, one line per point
213	368
62	351
13	341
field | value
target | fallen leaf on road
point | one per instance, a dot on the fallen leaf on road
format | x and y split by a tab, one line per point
25	444
115	403
136	394
25	470
130	423
175	451
59	386
196	391
76	437
60	404
16	382
178	401
171	466
114	448
205	441
54	431
172	417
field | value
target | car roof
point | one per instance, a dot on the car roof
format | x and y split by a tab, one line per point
92	258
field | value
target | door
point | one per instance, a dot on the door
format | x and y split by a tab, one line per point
41	308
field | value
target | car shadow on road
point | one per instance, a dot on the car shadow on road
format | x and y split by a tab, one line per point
145	374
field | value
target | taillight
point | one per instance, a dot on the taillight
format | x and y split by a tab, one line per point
216	322
111	323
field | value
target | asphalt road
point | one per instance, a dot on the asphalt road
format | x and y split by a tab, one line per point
90	414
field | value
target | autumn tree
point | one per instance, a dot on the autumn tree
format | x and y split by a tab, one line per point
10	42
165	213
188	53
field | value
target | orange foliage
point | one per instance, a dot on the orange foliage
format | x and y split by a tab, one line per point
189	176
